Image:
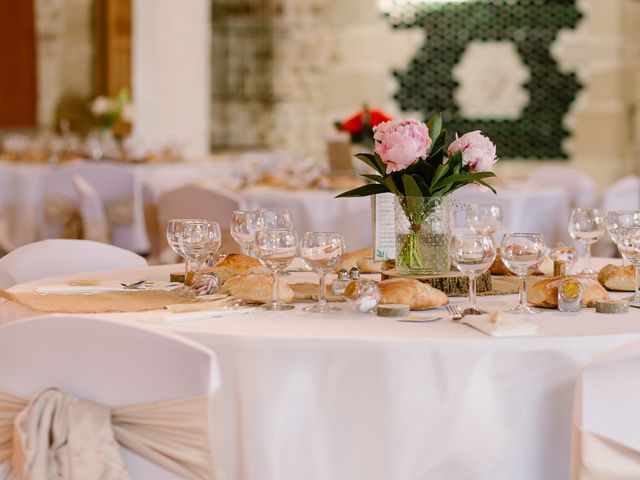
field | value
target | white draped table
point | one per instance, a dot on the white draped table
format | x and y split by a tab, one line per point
346	396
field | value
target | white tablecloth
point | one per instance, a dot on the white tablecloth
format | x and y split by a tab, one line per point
348	396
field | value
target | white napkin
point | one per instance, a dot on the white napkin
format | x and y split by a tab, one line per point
509	326
65	289
221	311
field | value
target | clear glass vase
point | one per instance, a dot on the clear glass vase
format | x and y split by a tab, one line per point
423	235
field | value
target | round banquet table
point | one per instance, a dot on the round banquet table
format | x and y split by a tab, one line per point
349	396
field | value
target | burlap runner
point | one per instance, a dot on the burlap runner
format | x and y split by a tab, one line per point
108	302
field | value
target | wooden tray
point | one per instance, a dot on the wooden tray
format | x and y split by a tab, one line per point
453	283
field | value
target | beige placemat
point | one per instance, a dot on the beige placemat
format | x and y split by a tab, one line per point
108	302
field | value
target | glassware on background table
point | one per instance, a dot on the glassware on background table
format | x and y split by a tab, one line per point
620	218
199	241
276	249
484	219
587	226
321	252
521	253
274	219
244	225
174	232
628	242
472	255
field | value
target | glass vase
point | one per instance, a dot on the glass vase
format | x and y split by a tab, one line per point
423	235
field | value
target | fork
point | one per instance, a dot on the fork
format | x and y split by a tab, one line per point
454	312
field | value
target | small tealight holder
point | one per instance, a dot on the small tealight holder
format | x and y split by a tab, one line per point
364	295
570	295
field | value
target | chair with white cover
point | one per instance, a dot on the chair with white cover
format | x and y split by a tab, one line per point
143	397
115	187
194	201
580	188
51	258
623	195
606	418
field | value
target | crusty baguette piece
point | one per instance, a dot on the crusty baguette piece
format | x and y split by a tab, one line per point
237	264
618	278
544	293
408	291
255	288
350	259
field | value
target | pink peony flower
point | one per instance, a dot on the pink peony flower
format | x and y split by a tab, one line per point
478	153
401	143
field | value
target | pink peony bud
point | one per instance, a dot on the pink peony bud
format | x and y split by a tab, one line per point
478	153
401	143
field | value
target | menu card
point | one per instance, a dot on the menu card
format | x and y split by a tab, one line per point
384	230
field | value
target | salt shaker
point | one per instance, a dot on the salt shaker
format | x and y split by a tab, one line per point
340	283
354	274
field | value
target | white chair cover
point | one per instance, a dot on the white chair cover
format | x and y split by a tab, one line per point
50	258
114	185
623	195
152	383
580	187
606	420
192	201
95	225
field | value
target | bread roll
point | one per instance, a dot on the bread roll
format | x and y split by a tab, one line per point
408	291
350	259
544	293
255	288
499	268
618	278
237	264
369	265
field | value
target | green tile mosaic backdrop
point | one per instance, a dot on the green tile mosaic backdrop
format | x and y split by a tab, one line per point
427	84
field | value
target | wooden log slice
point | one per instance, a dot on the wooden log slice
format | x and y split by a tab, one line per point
453	283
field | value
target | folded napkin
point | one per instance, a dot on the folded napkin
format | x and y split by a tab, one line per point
63	288
509	326
214	312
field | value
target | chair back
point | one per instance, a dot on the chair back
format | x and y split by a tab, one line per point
51	258
110	363
579	186
623	195
606	419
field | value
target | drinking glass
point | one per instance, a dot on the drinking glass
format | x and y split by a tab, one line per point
628	242
174	233
484	219
199	241
274	219
521	253
472	255
244	225
276	249
620	218
321	251
587	226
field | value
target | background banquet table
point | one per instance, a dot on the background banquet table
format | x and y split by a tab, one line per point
351	396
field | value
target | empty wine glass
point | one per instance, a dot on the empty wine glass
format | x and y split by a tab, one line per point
274	219
628	242
199	241
521	253
276	249
484	219
174	233
321	251
472	255
620	218
244	225
587	226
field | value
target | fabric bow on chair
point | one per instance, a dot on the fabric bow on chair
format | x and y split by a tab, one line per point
56	436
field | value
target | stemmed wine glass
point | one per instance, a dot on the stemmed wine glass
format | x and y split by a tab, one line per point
175	229
321	251
244	225
628	242
276	249
484	219
472	255
521	253
587	226
274	219
620	218
199	241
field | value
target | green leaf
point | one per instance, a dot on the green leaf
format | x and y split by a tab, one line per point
435	126
376	178
370	159
462	178
364	191
424	188
438	143
391	185
441	171
411	188
482	182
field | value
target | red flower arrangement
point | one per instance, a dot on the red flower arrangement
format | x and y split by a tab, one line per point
360	125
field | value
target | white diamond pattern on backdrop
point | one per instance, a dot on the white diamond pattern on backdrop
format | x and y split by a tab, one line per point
491	78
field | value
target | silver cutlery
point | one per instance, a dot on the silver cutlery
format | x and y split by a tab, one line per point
454	312
133	284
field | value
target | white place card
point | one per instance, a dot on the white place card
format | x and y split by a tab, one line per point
384	230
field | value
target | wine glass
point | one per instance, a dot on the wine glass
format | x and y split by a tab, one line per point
620	218
174	232
628	242
472	255
276	249
274	219
244	225
521	253
484	219
199	241
321	251
587	226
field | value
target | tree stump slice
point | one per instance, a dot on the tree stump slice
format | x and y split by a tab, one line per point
453	283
